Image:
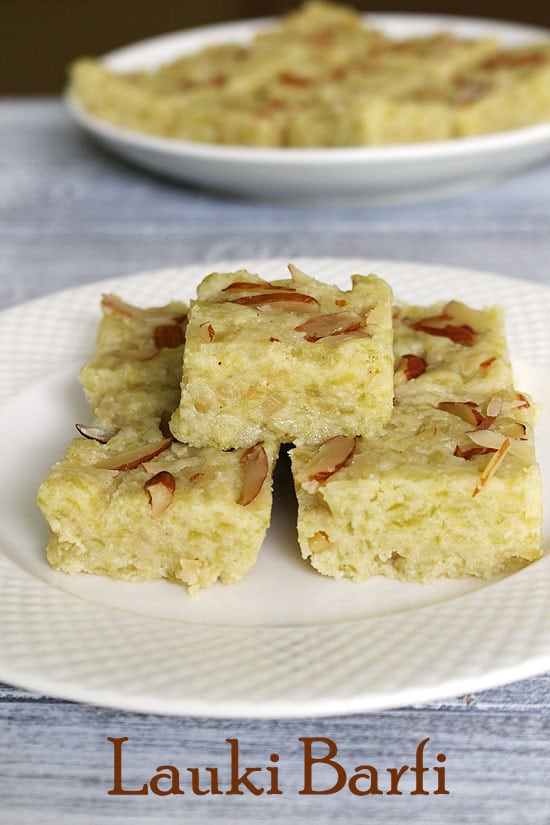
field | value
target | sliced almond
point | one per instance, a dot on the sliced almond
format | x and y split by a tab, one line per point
336	340
433	320
494	407
514	430
336	323
160	489
100	434
492	439
522	401
332	456
206	332
260	286
492	466
411	366
458	333
168	336
284	301
466	410
468	453
256	466
113	303
130	459
297	274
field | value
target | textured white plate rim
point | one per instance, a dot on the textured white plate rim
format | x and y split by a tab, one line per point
159	49
366	683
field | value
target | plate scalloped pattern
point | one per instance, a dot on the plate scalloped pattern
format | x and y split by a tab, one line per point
59	644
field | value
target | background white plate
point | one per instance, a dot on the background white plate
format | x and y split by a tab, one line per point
376	174
284	641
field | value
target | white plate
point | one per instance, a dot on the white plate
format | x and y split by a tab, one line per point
285	641
377	174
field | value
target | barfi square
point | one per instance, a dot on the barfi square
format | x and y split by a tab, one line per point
295	360
451	487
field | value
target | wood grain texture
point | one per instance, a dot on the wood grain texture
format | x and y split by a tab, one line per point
69	214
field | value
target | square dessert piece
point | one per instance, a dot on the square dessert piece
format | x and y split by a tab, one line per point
450	488
136	370
295	360
452	351
129	502
507	90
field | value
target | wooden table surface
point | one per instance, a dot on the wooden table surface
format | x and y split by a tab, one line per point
70	214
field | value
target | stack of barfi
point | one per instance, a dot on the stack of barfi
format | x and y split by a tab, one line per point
412	452
323	77
127	500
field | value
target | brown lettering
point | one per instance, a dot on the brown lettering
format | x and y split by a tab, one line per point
243	779
395	776
327	759
117	789
372	776
172	775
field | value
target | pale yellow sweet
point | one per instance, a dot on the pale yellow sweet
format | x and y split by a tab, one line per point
104	521
508	90
419	501
321	77
470	361
257	369
130	378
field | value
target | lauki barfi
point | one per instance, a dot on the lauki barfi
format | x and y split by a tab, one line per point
321	77
451	486
294	360
129	502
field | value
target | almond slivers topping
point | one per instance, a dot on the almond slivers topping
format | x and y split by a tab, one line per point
256	466
494	407
466	410
458	333
130	459
256	286
115	304
515	430
160	489
324	326
492	439
99	434
332	456
492	466
285	301
411	366
207	331
467	453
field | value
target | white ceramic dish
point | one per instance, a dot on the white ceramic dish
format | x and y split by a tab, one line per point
376	175
285	641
